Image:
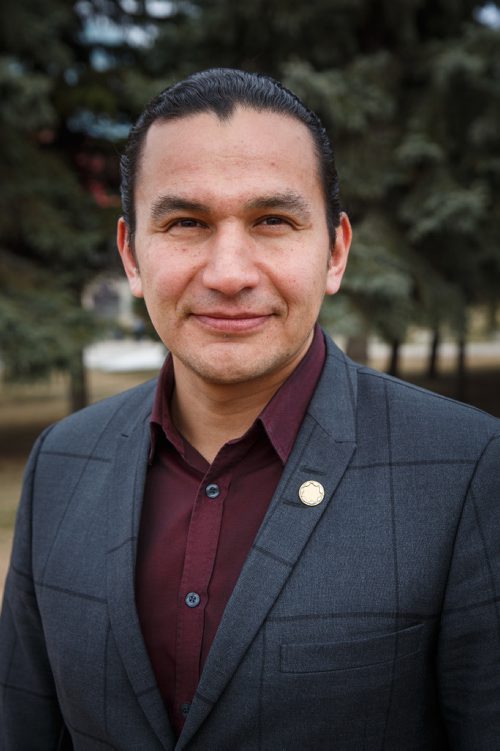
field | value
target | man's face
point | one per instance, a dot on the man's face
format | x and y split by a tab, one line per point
231	249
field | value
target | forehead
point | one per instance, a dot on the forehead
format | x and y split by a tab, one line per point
259	144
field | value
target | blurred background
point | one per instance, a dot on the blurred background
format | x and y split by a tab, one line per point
410	94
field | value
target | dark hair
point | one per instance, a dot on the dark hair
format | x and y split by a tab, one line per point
221	90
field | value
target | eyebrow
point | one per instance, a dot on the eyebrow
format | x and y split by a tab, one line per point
288	201
168	204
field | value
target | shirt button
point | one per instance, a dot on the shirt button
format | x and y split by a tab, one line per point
212	490
185	709
192	599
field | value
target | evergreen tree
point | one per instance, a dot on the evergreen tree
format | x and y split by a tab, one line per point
65	92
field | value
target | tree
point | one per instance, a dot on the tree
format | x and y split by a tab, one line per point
66	95
455	227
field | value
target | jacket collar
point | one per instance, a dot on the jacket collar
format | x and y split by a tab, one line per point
124	508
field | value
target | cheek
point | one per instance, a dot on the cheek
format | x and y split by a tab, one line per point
163	280
173	266
304	288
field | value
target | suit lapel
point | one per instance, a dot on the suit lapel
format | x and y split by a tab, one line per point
124	507
322	452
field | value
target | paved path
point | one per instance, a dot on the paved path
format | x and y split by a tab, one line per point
125	355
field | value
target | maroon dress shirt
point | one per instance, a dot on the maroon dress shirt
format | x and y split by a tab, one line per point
199	521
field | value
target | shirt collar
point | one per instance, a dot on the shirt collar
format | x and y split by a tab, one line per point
283	415
281	418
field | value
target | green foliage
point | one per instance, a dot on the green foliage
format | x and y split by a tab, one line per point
49	342
59	199
416	135
50	325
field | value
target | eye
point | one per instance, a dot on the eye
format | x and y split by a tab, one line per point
183	224
275	221
187	223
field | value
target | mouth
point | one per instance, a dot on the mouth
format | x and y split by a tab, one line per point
232	324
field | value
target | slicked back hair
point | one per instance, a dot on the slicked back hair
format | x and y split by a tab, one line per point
221	91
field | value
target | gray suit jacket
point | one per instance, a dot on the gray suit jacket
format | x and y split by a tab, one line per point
370	621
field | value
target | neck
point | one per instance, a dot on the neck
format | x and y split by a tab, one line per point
209	415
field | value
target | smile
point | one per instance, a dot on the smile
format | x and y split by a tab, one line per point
240	324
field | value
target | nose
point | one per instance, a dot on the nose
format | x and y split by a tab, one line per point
230	266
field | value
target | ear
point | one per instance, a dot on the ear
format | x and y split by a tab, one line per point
340	254
129	260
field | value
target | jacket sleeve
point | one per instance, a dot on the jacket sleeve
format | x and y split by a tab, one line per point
469	643
29	711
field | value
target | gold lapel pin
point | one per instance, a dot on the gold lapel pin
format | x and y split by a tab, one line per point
311	493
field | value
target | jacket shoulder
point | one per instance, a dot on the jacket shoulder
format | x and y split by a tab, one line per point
424	415
83	430
355	402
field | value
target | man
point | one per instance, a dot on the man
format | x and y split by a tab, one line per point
271	548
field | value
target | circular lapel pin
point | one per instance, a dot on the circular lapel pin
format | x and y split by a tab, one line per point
311	493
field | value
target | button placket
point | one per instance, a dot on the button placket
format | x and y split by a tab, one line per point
201	549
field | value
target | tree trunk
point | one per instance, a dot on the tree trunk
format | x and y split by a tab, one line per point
492	314
357	348
432	367
393	367
461	369
78	393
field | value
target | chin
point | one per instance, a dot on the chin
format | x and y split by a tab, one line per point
228	376
228	371
230	366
